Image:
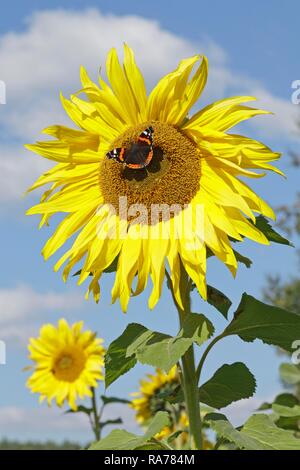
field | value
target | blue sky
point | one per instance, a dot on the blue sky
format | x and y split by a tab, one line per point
42	44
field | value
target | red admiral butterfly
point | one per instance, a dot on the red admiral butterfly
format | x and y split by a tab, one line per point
139	154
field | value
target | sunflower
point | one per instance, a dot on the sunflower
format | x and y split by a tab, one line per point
192	182
151	398
68	363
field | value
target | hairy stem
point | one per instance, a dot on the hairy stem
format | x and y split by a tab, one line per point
189	381
96	417
204	356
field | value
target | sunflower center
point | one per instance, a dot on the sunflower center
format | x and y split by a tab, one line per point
171	178
69	364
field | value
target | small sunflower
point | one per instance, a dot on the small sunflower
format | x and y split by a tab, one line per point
68	363
191	176
151	398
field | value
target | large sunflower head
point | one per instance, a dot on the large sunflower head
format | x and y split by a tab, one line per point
68	362
145	185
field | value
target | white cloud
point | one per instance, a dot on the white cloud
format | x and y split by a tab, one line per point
240	411
21	306
36	64
18	169
52	423
51	61
285	122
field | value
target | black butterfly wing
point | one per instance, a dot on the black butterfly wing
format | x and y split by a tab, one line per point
146	137
136	156
139	154
116	154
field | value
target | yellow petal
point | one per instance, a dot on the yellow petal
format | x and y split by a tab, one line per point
136	81
212	113
121	87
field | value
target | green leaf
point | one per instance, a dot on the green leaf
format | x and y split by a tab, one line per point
287	399
286	411
224	430
117	362
118	439
160	350
292	423
257	320
243	259
154	444
262	429
264	226
264	406
110	269
290	373
229	383
283	399
122	440
102	424
218	300
169	393
79	272
174	436
258	433
81	409
153	348
108	400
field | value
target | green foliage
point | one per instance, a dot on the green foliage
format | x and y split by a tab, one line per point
285	411
257	320
122	440
160	350
264	226
137	343
218	300
108	422
81	409
108	400
110	269
284	399
290	373
258	433
283	294
252	320
6	444
229	383
243	259
174	436
117	362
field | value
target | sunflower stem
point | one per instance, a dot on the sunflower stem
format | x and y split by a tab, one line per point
189	381
205	354
96	418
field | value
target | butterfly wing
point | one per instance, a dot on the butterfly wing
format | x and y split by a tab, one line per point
139	154
146	137
117	154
